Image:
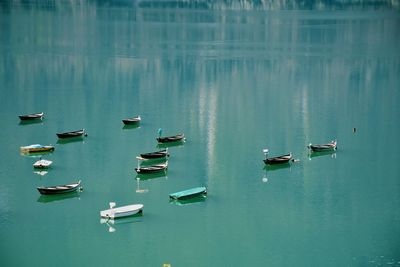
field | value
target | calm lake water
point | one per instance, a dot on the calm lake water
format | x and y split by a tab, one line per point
235	77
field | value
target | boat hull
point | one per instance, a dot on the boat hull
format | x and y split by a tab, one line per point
131	121
71	134
42	164
168	139
59	189
152	169
29	117
155	155
123	211
37	149
190	193
278	160
332	146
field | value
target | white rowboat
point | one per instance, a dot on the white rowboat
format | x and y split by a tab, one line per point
43	163
123	211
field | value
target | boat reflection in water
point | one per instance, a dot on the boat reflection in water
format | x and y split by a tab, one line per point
41	173
52	198
77	139
30	122
170	144
312	155
130	126
150	162
149	176
277	167
138	189
189	201
113	223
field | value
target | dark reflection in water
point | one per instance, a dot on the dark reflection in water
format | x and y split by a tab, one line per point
185	202
30	122
78	139
150	162
273	167
149	176
170	144
60	197
131	126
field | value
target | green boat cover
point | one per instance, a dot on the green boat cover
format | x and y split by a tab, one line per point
189	193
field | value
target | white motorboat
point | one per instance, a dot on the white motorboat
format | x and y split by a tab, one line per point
123	211
43	163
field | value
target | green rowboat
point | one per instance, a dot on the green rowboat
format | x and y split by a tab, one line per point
194	192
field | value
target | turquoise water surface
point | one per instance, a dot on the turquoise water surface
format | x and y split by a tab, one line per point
235	77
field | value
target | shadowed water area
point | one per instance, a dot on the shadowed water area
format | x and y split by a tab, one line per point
235	77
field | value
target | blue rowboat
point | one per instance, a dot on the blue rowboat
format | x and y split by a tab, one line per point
193	192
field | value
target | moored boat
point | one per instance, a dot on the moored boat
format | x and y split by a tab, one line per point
131	121
278	159
168	139
323	147
155	155
152	168
59	189
123	211
71	134
189	193
34	116
42	164
36	148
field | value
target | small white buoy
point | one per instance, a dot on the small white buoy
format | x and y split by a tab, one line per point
265	179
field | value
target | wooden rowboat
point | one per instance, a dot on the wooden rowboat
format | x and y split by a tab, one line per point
193	192
131	121
277	160
168	139
123	211
152	168
36	148
34	116
77	133
323	147
155	155
59	189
